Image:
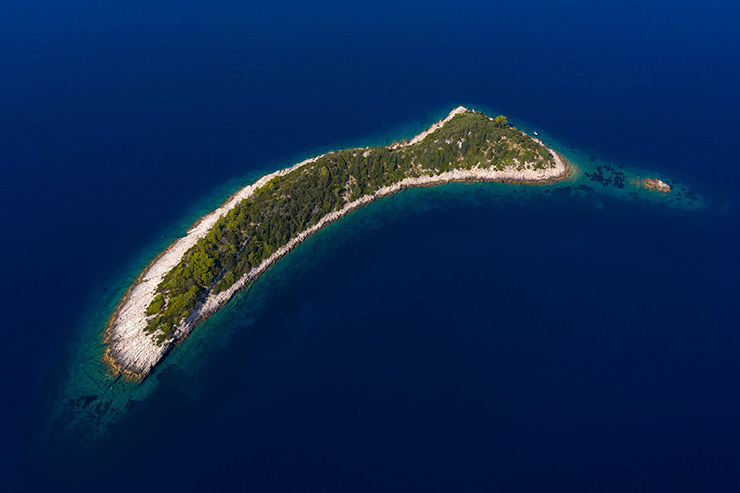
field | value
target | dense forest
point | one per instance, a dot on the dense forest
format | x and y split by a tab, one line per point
287	205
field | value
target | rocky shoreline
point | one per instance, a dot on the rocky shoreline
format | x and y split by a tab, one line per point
131	350
126	341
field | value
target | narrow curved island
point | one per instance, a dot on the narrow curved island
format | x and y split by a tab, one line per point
237	242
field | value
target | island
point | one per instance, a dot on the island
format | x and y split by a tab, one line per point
233	245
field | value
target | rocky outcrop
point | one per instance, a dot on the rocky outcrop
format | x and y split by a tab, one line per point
653	184
656	184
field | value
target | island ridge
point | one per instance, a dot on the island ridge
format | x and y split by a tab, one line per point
237	242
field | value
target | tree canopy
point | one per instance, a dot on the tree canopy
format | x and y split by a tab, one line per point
287	205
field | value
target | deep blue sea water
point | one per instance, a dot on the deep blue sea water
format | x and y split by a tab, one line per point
456	338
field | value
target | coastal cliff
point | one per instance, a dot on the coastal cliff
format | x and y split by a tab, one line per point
260	223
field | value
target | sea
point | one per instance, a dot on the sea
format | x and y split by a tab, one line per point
466	337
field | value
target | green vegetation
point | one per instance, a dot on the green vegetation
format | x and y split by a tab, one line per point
287	205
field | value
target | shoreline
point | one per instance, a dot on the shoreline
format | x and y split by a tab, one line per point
132	352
